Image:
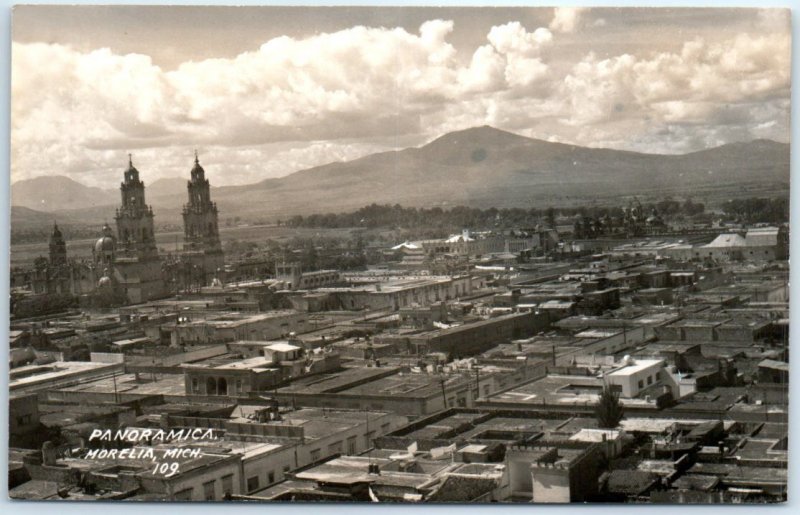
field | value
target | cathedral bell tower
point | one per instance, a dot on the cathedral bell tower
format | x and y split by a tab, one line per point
202	251
135	235
201	231
58	247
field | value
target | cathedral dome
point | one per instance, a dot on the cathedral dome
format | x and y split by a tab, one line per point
105	281
106	243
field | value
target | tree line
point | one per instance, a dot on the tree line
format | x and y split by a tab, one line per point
396	216
758	210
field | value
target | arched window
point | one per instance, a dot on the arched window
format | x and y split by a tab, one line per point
211	386
222	386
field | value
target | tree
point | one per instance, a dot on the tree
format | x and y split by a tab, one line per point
609	410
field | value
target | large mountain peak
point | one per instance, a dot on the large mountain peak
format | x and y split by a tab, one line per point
479	167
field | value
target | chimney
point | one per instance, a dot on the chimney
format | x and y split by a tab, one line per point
49	454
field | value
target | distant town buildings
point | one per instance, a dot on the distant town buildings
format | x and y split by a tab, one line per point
469	368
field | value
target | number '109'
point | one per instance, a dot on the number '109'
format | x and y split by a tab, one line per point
168	469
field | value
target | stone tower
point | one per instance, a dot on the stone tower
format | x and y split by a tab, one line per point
201	231
136	264
202	251
58	247
135	235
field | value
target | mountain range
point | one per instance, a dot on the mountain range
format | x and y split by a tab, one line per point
479	167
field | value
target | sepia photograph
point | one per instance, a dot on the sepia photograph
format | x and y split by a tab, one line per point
410	254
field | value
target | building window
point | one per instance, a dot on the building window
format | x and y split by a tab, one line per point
184	495
335	447
195	385
271	477
368	439
286	469
641	383
208	491
351	445
315	455
252	484
227	484
649	380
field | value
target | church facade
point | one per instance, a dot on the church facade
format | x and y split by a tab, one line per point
134	264
126	267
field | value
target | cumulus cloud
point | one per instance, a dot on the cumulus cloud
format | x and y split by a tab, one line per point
566	19
359	82
735	82
522	50
293	103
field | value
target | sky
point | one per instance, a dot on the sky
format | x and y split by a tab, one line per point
262	92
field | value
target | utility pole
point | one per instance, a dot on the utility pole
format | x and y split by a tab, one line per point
369	442
477	381
444	395
624	334
114	378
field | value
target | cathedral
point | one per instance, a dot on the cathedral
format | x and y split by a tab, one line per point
53	275
126	267
129	262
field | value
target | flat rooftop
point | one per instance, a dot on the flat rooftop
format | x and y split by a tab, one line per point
336	381
32	375
316	422
166	384
638	365
408	385
560	390
469	426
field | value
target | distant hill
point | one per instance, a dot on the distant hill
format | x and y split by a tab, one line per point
60	193
485	167
24	218
56	192
480	167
